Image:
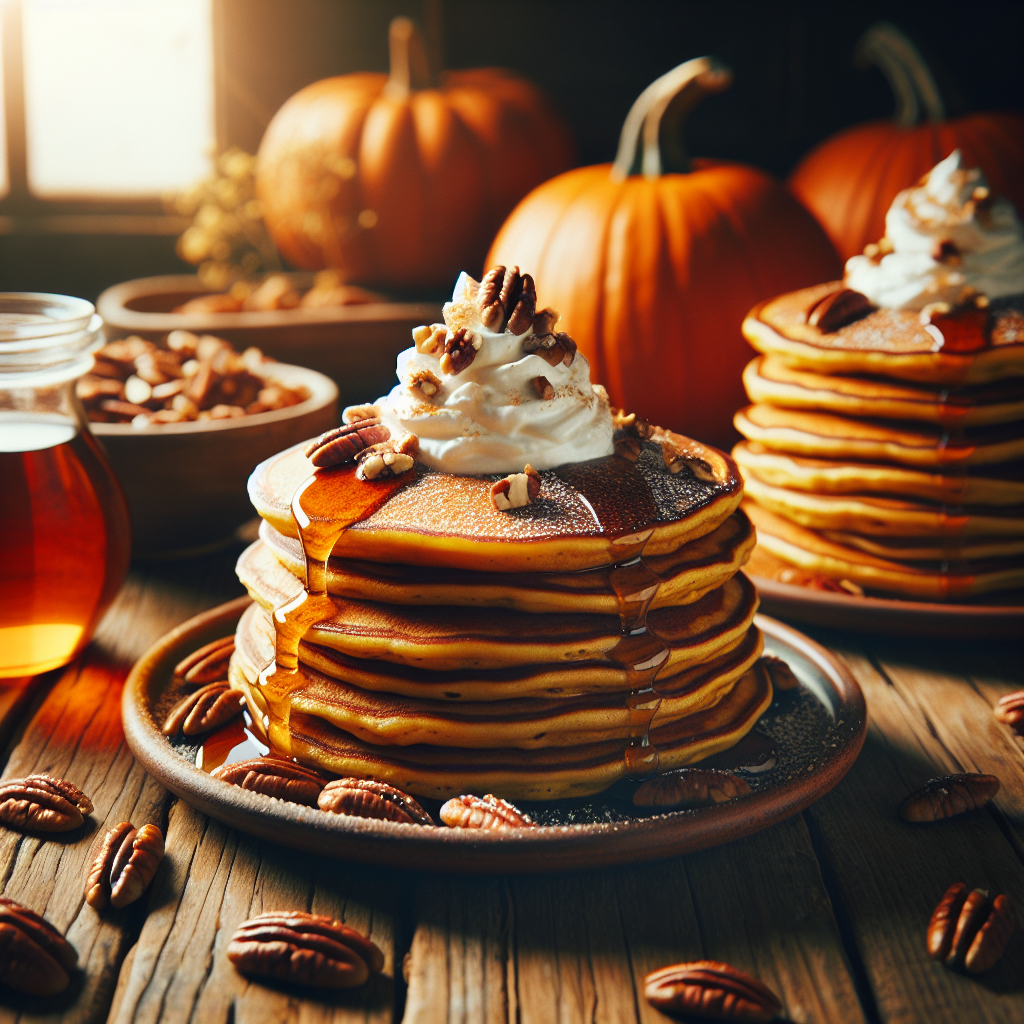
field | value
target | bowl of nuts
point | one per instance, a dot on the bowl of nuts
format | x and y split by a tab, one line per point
185	420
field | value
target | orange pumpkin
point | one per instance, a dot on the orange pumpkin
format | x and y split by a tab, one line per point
399	183
654	261
850	180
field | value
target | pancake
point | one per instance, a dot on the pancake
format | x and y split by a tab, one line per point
828	476
909	549
828	436
769	379
884	516
886	342
587	514
815	553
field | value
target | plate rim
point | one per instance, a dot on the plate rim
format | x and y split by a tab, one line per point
540	849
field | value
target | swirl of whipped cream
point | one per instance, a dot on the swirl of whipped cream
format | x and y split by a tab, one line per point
490	418
949	242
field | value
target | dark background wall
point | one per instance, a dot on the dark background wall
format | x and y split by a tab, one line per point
795	81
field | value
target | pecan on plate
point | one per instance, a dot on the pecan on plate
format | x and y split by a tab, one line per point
124	865
967	929
690	787
208	664
344	443
711	990
34	957
949	796
837	309
389	458
781	675
1010	711
460	349
517	490
508	300
368	798
206	709
307	949
486	812
274	776
41	803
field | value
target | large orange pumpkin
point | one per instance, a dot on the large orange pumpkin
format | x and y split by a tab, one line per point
399	183
850	180
654	261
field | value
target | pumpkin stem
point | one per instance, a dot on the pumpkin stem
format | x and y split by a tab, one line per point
885	46
410	68
651	142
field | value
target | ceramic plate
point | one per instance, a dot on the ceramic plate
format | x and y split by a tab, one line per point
817	731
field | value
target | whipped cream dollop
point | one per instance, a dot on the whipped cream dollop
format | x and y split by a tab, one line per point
950	240
490	417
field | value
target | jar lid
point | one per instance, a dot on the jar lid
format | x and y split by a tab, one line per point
28	315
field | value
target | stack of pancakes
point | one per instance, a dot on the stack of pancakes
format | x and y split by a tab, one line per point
473	650
887	453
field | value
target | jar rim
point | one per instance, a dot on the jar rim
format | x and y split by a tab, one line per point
27	315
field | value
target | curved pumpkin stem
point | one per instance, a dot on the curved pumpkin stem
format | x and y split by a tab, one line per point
410	67
885	46
651	142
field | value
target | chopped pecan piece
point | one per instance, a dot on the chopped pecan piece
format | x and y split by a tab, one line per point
390	458
125	350
274	776
344	443
543	388
677	461
487	812
949	796
34	957
544	321
124	865
206	709
460	349
690	787
1010	711
781	675
92	389
125	410
945	250
969	930
355	413
430	340
208	664
517	490
629	448
42	803
837	309
711	990
306	949
426	383
554	349
368	798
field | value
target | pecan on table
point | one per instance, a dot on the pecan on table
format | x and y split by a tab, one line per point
1010	711
208	664
274	776
344	443
368	798
711	990
949	796
306	949
690	787
206	709
34	957
507	300
781	675
41	803
124	865
484	812
967	929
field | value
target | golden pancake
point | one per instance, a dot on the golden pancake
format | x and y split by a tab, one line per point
686	574
883	516
769	379
587	514
910	549
886	342
811	551
827	476
824	435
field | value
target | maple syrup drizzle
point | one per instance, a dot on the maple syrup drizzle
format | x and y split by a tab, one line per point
236	741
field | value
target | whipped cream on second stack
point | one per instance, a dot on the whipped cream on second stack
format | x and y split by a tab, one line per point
489	418
949	242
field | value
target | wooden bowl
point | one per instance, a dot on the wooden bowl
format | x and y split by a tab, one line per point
354	345
185	482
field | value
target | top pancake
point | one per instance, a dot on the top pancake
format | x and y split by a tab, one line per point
887	342
588	514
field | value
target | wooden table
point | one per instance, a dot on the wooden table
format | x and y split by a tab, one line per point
828	908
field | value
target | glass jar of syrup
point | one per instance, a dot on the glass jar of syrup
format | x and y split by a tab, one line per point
64	532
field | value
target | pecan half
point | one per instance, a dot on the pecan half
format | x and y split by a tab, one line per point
949	796
554	349
354	413
690	787
306	949
210	707
677	461
712	990
429	339
460	350
34	957
780	674
274	776
507	300
41	803
1010	711
124	865
368	798
837	309
208	664
969	930
517	490
344	443
487	812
